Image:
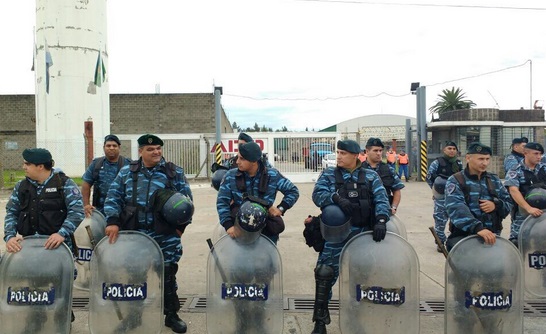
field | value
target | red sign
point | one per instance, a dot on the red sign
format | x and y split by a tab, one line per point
232	145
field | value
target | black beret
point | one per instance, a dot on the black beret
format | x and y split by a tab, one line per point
245	137
37	155
149	139
478	148
374	142
112	138
250	151
452	143
348	145
535	146
520	140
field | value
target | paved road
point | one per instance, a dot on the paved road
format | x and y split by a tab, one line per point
299	260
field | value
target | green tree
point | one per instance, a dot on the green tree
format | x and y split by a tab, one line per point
235	126
256	127
451	99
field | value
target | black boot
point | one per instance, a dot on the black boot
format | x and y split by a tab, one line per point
177	325
320	328
323	280
172	303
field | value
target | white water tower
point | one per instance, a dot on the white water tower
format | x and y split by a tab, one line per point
70	35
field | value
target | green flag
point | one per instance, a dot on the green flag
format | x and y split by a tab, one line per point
100	72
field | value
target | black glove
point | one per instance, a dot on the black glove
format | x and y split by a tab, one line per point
380	229
345	205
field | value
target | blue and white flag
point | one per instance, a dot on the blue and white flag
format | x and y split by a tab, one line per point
49	63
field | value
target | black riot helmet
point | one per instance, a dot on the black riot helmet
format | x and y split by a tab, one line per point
536	198
251	216
175	208
439	187
217	178
335	225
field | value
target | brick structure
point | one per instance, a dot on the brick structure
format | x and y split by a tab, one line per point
129	114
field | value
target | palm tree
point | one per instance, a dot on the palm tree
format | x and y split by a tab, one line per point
451	99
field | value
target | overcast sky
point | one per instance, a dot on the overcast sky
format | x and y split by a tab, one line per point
309	63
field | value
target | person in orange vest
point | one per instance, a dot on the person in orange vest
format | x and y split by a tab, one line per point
391	157
362	156
403	162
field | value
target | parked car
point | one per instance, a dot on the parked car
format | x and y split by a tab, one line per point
329	160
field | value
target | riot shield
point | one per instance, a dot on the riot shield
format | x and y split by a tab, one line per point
484	287
36	288
219	231
244	283
378	286
87	235
532	246
126	289
396	226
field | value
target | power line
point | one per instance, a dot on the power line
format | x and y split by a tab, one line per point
426	5
344	97
479	75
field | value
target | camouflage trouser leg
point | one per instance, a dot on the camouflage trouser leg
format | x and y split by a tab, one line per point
331	253
516	225
440	219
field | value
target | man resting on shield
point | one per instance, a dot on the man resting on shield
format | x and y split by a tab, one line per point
46	202
129	206
476	201
347	191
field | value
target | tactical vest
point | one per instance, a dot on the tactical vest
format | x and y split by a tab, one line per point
446	168
262	187
98	166
532	181
360	195
129	217
386	177
45	213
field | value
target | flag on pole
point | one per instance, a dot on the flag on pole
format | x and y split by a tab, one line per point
35	51
100	71
49	63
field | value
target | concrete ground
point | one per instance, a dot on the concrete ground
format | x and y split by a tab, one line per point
298	262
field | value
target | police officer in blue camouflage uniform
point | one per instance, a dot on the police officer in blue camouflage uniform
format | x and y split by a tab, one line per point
391	181
476	201
46	202
241	140
144	176
333	187
443	167
100	174
256	182
55	213
516	156
528	174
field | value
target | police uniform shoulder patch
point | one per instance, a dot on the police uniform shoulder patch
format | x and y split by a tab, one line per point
75	191
450	188
511	174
